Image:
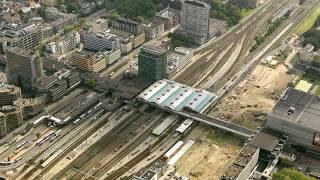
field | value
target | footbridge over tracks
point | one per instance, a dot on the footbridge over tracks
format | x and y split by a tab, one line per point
211	121
219	123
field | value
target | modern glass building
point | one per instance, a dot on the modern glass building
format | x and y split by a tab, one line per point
152	63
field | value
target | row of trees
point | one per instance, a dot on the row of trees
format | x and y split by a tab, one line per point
290	174
271	28
136	8
75	26
226	12
180	40
147	8
312	36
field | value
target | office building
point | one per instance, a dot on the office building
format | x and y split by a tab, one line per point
100	41
59	20
169	17
297	115
86	8
30	107
127	25
174	4
100	25
24	67
178	59
30	36
138	40
112	56
10	119
246	3
125	38
54	87
195	18
125	46
89	61
153	30
24	36
68	42
152	63
154	172
63	47
9	94
242	167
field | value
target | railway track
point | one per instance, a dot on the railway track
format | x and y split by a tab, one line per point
203	65
105	146
166	136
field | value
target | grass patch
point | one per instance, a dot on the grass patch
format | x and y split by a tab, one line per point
280	58
312	79
295	60
246	12
318	91
308	23
221	137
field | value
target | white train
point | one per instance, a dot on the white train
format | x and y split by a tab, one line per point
184	126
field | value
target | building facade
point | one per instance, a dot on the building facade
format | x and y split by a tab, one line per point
100	41
26	37
153	30
112	56
169	17
89	61
10	119
59	20
195	18
127	25
30	107
9	94
152	63
24	67
54	87
296	115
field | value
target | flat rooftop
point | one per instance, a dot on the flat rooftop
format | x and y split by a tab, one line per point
298	107
240	162
76	104
197	3
265	141
8	88
152	49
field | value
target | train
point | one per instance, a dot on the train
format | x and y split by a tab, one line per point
172	151
184	126
51	136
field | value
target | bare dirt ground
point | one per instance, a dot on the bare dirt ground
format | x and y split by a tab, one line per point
211	154
249	103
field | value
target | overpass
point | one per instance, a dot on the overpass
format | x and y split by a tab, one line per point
218	123
211	121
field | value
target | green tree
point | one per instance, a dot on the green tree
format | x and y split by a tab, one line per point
60	2
283	161
38	135
290	174
91	83
72	7
317	22
290	84
131	9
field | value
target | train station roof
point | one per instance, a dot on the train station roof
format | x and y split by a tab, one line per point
176	96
